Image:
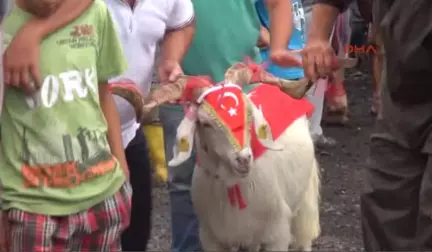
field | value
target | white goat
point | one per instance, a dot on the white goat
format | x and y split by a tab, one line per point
281	192
277	192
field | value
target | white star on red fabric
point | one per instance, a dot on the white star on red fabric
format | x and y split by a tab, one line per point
232	111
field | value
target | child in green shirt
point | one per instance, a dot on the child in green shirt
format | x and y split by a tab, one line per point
63	170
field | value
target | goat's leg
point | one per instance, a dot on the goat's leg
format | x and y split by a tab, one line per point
209	243
280	241
280	245
278	237
305	224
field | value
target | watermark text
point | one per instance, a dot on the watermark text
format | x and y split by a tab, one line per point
364	49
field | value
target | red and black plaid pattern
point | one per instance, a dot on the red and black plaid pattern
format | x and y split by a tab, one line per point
98	229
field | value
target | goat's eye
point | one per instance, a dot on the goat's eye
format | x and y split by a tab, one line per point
204	124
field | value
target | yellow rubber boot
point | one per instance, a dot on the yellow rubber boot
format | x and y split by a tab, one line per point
155	142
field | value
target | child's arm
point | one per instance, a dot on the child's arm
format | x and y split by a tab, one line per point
22	55
110	62
68	11
264	38
112	117
281	24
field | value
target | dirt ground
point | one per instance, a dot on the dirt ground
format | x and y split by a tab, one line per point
341	169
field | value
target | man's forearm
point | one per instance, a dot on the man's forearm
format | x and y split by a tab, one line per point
324	14
112	117
176	43
281	23
67	12
323	18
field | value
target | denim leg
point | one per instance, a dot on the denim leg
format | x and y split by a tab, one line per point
184	223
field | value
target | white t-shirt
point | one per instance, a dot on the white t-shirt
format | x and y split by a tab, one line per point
140	30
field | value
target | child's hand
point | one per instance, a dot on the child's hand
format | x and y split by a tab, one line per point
4	246
21	61
264	38
125	168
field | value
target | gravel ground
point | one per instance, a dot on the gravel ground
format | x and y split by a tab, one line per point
341	179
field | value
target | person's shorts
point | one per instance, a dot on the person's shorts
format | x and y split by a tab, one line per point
97	229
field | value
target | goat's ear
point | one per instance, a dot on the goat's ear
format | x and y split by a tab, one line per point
184	141
262	128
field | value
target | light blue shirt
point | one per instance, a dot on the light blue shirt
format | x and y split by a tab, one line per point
297	38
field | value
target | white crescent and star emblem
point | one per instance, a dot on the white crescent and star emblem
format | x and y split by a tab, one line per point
232	111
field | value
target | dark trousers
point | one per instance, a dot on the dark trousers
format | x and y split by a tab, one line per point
396	206
358	35
136	237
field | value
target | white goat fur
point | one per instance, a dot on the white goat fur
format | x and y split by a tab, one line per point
282	196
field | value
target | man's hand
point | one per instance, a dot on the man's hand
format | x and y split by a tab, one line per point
169	71
21	60
4	243
285	58
317	59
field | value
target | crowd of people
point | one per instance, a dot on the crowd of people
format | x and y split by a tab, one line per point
72	154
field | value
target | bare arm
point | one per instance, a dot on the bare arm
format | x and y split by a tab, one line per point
112	117
21	59
178	37
324	16
318	54
264	38
281	23
67	12
176	43
324	13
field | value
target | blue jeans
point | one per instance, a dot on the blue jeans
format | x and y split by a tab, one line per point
184	223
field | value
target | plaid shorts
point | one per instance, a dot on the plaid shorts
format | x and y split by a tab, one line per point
98	229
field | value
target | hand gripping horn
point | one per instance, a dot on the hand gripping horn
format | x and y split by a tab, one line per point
186	89
248	73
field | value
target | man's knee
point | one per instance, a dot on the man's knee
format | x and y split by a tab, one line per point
392	167
425	203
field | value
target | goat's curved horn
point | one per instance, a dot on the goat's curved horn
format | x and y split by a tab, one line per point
165	93
131	94
344	62
294	88
186	88
143	106
239	73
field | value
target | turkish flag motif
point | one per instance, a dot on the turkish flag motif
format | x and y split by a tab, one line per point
229	104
